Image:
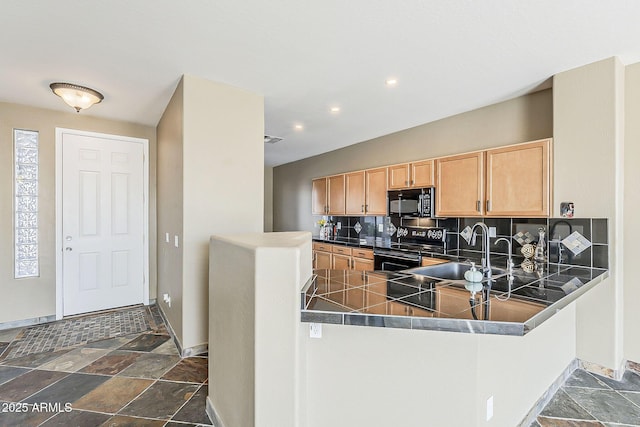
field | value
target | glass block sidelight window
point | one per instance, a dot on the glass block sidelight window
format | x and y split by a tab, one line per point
26	203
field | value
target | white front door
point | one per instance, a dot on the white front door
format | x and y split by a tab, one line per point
102	223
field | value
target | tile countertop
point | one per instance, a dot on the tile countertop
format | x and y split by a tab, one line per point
403	300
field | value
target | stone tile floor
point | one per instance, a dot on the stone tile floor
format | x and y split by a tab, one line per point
590	400
132	380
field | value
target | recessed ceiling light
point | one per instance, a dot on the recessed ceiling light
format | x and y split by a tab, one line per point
391	82
335	109
298	127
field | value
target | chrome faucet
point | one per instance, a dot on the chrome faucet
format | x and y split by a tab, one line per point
510	264
486	260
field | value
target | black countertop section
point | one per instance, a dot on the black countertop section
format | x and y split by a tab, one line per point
404	300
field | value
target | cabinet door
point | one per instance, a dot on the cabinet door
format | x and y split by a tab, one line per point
355	200
362	264
398	176
335	190
397	309
321	260
340	262
376	192
518	180
319	196
460	185
422	174
454	303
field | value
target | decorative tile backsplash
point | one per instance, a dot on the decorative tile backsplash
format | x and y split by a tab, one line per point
591	233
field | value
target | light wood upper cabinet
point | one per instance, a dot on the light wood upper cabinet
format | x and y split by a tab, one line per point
319	196
518	180
421	174
355	193
376	191
411	175
398	176
460	185
335	195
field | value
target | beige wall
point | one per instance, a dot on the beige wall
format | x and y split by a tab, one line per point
521	119
36	297
631	208
219	189
170	209
268	199
588	109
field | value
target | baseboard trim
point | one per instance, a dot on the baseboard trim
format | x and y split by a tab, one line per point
27	322
213	415
184	352
594	368
548	394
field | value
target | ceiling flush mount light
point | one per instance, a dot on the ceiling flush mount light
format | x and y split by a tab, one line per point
391	82
78	97
298	127
335	109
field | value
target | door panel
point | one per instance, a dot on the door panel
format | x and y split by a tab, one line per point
102	223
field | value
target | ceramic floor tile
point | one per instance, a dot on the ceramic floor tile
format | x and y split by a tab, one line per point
35	360
194	410
557	422
112	363
161	400
124	421
190	370
69	389
632	396
112	395
562	406
76	418
145	342
10	372
9	335
112	343
630	382
582	378
25	385
168	347
23	419
74	360
605	405
150	366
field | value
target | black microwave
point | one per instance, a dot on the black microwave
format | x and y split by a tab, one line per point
415	202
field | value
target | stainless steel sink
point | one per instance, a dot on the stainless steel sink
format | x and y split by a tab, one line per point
450	271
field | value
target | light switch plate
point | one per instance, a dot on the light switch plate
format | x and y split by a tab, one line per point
380	228
166	237
489	408
175	240
339	225
492	232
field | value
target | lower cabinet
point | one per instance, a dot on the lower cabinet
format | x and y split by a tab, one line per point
339	257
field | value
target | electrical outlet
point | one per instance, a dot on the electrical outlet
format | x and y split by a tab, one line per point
380	228
167	299
167	239
492	232
315	330
489	408
339	225
175	241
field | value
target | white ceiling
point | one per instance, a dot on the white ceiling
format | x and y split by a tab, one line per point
304	57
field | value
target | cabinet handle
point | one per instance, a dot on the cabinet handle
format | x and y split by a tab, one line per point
488	205
478	205
411	182
366	208
362	208
406	183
